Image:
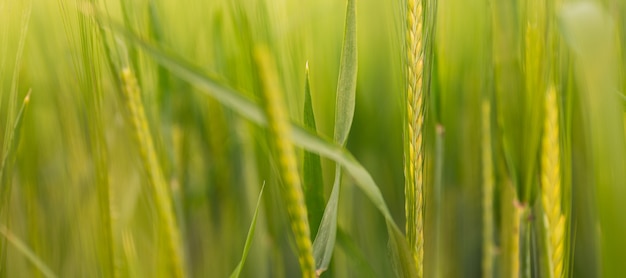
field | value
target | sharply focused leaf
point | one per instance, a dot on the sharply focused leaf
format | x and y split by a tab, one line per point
324	243
249	237
346	86
325	240
313	180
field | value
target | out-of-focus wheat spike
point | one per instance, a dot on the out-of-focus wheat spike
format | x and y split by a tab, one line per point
159	188
280	131
551	184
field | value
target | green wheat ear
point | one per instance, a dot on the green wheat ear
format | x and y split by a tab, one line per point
280	131
551	185
414	199
159	187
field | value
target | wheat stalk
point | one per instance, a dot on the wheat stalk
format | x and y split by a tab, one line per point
515	236
280	131
511	212
488	185
160	191
414	202
551	185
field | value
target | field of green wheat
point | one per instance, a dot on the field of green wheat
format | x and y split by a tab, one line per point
313	138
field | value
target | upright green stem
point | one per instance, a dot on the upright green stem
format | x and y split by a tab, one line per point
488	185
511	213
438	199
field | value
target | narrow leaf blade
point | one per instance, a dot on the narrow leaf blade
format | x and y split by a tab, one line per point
346	87
249	237
312	169
324	244
12	143
325	240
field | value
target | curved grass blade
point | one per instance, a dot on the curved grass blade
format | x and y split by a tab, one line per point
246	247
344	114
12	143
312	169
22	248
11	118
12	105
346	86
325	240
239	104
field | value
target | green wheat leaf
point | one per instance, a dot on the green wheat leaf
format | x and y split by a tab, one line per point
346	87
325	240
324	243
313	180
246	247
12	143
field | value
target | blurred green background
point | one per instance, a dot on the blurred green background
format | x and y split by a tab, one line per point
215	161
